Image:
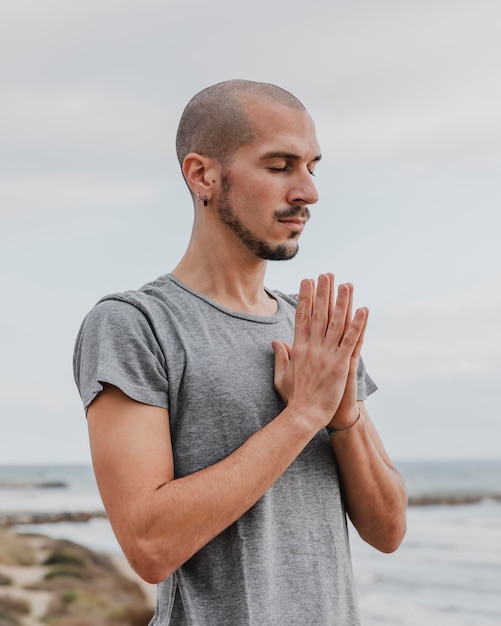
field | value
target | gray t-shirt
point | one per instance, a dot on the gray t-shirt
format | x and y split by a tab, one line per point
286	561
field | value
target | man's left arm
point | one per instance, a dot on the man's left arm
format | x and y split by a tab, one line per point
374	492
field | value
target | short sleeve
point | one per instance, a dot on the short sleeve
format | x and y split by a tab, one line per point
116	345
365	384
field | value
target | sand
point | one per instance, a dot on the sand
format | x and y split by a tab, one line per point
40	576
150	591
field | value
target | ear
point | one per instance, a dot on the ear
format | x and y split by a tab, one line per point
201	173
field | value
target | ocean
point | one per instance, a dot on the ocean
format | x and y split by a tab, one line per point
446	573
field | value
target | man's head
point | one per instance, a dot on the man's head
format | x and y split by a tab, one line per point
249	150
215	122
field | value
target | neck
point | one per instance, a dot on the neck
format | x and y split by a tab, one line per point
227	273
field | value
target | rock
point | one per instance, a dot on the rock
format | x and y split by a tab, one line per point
71	585
19	519
448	500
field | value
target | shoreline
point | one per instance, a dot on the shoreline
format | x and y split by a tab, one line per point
426	576
9	520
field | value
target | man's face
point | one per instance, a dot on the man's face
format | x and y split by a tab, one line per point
266	190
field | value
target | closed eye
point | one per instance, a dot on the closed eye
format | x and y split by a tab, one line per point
286	168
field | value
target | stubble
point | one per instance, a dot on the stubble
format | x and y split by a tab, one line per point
261	248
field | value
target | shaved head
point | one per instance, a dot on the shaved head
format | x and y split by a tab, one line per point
215	122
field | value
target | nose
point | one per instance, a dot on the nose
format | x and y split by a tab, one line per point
303	191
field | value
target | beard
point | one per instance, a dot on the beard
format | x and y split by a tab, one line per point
261	248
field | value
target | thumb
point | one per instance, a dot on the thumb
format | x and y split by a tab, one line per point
282	352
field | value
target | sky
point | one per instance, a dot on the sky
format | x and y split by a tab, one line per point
406	97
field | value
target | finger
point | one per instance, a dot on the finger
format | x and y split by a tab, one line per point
288	347
358	347
349	312
282	357
336	327
281	363
332	292
320	316
353	338
302	326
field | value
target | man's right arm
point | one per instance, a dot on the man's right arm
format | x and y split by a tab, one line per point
159	521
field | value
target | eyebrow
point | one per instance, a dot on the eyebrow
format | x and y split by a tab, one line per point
278	154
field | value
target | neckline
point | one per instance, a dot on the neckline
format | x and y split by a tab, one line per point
261	319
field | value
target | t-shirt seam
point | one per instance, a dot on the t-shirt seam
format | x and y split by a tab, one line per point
248	317
144	395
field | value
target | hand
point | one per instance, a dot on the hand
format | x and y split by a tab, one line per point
348	410
312	374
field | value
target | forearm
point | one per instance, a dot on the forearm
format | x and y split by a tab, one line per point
374	492
173	522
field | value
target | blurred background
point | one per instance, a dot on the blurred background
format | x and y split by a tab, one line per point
407	99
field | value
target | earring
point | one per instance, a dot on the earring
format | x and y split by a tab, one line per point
206	202
198	197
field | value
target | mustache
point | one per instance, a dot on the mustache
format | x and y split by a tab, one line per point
293	211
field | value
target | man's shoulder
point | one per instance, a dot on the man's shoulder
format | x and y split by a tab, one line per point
150	295
141	305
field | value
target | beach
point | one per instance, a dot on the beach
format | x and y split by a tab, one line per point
44	580
446	573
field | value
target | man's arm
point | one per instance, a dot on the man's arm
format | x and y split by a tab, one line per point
161	521
374	492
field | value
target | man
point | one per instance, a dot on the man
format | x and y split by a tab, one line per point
208	396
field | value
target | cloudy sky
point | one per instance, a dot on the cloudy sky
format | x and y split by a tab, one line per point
407	100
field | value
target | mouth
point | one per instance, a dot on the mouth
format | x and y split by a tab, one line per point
294	222
295	217
293	227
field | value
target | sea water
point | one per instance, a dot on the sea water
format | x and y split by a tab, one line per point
446	573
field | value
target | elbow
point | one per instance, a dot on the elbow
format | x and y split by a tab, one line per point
150	572
391	536
386	536
155	555
394	526
391	543
150	562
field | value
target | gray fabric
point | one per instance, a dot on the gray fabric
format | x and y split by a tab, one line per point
286	561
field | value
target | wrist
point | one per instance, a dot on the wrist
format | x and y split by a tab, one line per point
316	415
304	421
332	428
